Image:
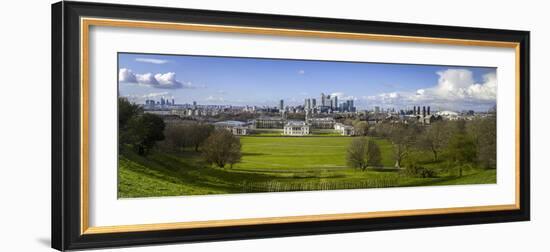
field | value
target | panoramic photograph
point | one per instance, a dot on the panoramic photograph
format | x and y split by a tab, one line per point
200	125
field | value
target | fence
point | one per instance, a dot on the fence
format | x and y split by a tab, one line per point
278	186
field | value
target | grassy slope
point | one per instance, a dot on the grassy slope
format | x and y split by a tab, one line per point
286	161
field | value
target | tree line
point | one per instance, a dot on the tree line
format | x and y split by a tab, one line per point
144	131
461	143
217	146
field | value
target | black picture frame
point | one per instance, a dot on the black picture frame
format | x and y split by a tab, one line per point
66	156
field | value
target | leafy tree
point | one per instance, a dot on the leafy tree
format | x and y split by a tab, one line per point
363	153
175	137
484	133
361	128
234	158
144	131
357	153
374	156
126	111
435	138
197	133
403	138
461	150
222	148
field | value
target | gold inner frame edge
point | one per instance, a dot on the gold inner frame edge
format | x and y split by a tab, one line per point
85	24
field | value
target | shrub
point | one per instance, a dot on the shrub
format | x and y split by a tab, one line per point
416	171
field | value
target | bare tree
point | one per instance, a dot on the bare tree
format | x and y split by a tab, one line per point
363	153
175	137
361	128
357	153
403	137
484	134
197	133
222	148
374	156
435	138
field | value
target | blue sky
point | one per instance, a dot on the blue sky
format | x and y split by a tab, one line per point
254	81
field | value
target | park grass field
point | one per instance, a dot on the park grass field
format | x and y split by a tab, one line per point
272	164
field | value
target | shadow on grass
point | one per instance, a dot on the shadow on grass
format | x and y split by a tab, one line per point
384	169
190	169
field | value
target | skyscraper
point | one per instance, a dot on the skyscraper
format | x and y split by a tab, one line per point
281	105
323	100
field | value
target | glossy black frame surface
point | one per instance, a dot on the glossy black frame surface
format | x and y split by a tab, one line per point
66	125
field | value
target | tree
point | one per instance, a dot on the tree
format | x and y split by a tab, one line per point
363	153
144	131
197	133
374	156
361	128
222	148
175	137
357	153
435	138
234	158
403	137
126	111
461	150
484	134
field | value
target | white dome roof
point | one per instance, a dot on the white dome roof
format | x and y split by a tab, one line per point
447	113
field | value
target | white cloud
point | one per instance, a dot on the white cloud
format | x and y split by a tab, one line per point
455	89
146	79
159	80
152	61
456	84
301	71
126	75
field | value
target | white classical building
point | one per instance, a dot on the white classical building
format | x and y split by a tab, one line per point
296	128
344	130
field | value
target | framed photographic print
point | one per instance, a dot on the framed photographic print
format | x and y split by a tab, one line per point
180	125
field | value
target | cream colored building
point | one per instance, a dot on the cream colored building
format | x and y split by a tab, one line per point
295	128
344	130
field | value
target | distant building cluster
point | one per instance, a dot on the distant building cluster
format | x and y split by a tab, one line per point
160	103
327	104
323	115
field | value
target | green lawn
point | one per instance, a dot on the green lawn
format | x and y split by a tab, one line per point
269	164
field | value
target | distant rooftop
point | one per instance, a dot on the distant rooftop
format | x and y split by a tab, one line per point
296	123
230	123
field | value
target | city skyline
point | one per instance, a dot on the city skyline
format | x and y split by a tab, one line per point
264	82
